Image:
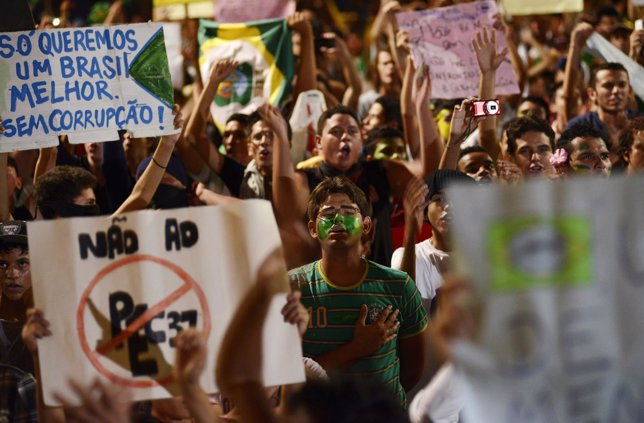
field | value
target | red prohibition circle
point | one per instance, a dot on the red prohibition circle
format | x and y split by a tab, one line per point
190	285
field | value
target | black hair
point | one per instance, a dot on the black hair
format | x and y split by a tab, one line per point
517	127
5	247
347	399
472	149
61	184
11	162
382	132
634	125
337	185
242	119
255	117
608	11
580	129
336	110
539	101
391	110
611	66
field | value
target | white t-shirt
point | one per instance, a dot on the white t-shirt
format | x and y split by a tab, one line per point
431	263
438	400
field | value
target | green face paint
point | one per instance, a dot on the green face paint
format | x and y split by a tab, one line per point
351	224
579	168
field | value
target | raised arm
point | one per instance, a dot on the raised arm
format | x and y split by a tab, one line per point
458	130
306	74
489	60
289	194
189	364
239	366
197	122
414	203
150	179
578	39
431	143
636	43
354	88
406	101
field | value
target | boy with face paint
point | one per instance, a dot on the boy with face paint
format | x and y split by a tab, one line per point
583	150
366	318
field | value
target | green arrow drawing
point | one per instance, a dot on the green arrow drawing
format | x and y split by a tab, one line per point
151	71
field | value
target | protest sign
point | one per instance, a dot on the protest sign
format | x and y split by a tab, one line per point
264	72
174	10
307	110
558	270
600	47
232	11
131	284
541	7
442	39
84	82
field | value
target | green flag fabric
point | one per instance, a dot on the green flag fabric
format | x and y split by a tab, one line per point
264	52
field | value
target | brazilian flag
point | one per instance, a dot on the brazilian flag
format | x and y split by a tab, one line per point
264	52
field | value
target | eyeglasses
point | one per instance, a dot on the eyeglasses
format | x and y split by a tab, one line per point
258	137
330	212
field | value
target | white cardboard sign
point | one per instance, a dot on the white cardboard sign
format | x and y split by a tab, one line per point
117	293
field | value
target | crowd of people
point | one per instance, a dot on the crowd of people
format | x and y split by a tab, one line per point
364	215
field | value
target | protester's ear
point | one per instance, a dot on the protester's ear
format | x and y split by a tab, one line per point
367	223
592	94
318	143
313	230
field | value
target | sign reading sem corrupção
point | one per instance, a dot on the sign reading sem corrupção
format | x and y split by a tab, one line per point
87	83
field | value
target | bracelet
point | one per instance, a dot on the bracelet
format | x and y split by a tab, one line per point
157	163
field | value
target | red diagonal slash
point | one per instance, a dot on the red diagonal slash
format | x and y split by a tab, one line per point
149	314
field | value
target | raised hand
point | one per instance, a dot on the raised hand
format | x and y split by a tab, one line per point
36	327
369	338
273	117
190	358
101	403
295	313
402	41
298	22
484	45
221	70
414	202
581	33
422	87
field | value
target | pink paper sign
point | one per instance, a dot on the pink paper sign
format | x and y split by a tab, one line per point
235	11
442	39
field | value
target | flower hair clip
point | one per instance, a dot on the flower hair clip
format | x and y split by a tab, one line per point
560	158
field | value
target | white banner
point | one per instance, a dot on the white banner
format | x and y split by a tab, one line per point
558	269
117	293
84	82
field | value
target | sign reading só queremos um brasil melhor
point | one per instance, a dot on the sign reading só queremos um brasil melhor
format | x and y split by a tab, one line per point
87	83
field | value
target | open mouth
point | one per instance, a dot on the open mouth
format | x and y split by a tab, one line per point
345	150
446	218
264	154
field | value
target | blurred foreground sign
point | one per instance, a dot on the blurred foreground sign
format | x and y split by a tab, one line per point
559	270
129	285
